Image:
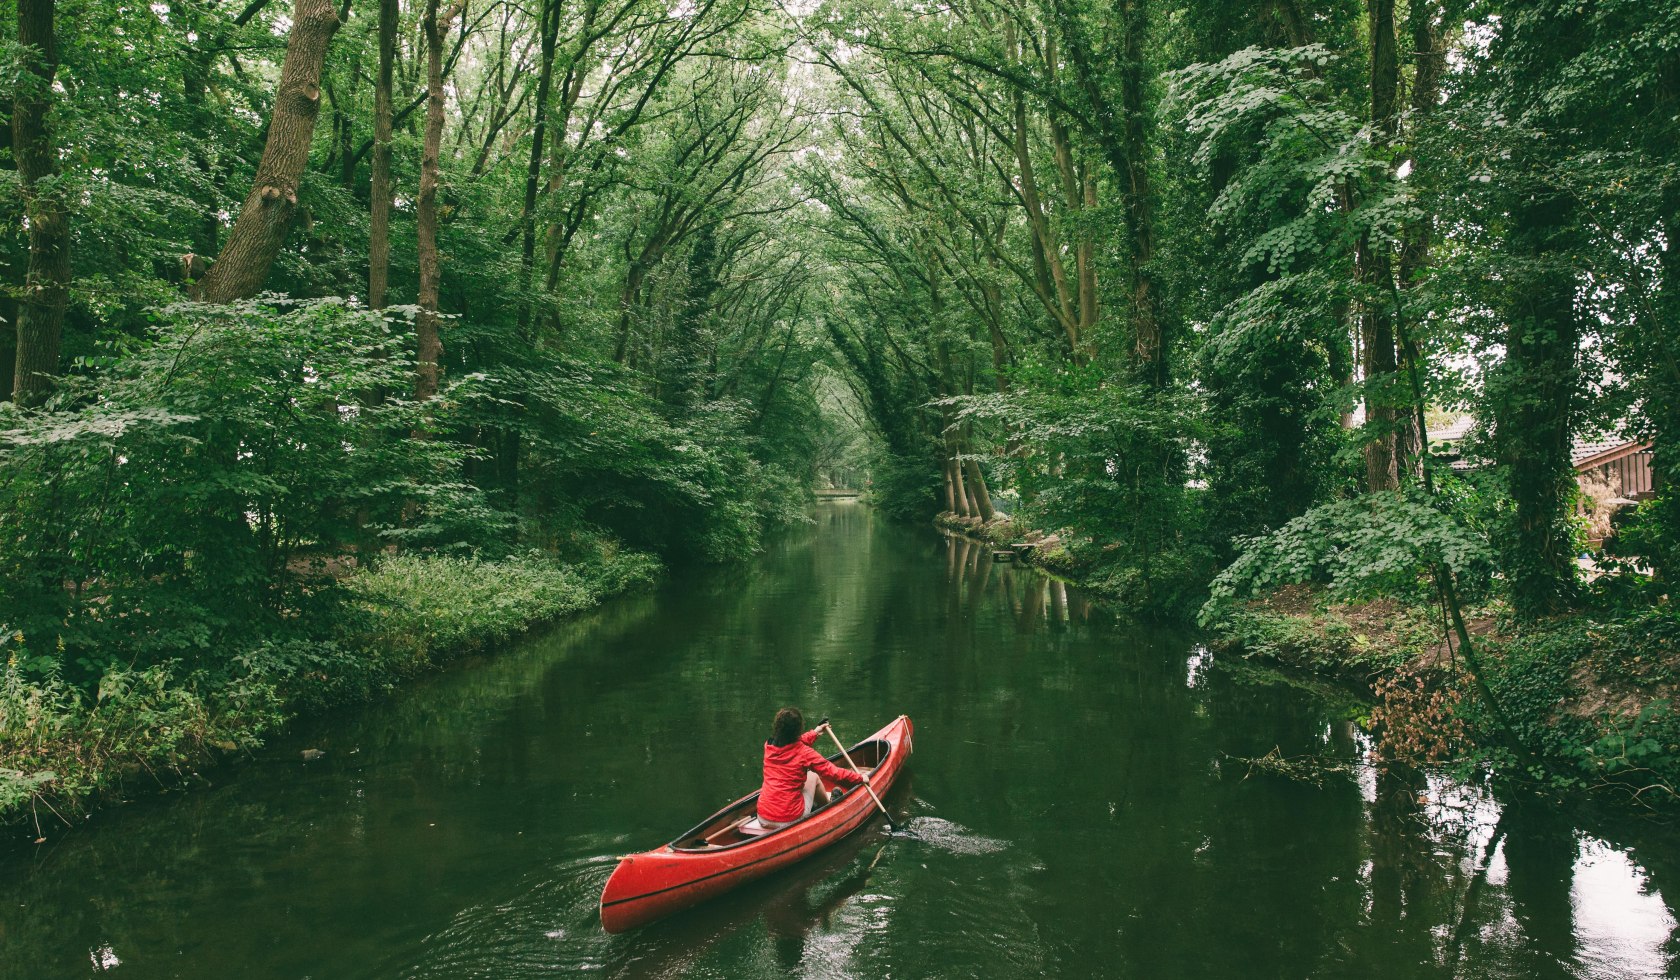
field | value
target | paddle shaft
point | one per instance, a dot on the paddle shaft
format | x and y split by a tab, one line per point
870	789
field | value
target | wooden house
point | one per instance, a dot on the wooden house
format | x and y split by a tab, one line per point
1624	464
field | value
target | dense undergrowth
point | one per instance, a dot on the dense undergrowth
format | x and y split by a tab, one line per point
1583	701
61	743
244	516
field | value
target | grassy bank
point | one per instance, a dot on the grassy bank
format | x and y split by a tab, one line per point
1583	705
61	746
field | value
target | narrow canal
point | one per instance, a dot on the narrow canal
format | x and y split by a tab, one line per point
1075	808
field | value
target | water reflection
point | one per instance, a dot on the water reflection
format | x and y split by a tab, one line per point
1449	881
1070	811
1036	600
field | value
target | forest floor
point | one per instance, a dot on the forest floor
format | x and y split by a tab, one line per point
1594	698
63	752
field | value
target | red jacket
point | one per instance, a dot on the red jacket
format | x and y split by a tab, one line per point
783	797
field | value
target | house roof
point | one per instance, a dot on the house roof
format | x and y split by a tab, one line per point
1453	431
1588	453
1585	453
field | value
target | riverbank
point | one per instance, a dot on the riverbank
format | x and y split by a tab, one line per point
1002	533
1589	698
1593	701
62	750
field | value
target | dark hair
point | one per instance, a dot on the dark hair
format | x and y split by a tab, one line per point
787	728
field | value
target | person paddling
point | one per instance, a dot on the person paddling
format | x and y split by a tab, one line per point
793	771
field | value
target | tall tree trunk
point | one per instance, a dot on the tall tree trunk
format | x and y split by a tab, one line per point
1537	399
977	486
964	507
379	218
1089	295
1376	271
1537	387
626	301
260	231
1149	348
11	281
629	298
343	153
46	289
426	327
1418	234
533	169
1056	293
1382	419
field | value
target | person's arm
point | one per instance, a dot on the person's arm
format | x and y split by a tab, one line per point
813	760
810	737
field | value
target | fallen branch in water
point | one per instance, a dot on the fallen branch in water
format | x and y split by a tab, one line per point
1312	769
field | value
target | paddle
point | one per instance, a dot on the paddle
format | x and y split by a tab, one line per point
848	757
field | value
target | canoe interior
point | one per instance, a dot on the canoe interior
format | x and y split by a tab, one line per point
723	828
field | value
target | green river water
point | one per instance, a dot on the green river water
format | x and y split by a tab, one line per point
1075	808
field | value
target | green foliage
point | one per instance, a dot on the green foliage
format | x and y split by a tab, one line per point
1106	459
1273	434
1125	259
1292	640
1296	186
1651	532
57	742
1547	681
62	743
1639	649
192	491
1346	641
904	489
598	452
1380	544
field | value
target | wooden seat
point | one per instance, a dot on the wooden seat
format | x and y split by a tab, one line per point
748	827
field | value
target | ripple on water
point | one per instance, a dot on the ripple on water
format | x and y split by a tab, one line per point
976	889
945	835
545	924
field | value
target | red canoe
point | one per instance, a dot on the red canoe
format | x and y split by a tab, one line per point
716	856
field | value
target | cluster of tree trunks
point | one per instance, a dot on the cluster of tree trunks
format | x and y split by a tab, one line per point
966	492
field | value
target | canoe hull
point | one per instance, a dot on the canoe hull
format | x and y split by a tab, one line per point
656	883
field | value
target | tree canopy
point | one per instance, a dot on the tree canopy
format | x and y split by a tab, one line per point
294	284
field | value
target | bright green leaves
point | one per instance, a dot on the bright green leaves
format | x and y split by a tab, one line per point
1380	544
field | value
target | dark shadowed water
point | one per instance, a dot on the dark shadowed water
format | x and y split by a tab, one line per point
1074	809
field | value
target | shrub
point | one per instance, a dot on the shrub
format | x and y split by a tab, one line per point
1371	546
182	500
57	742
